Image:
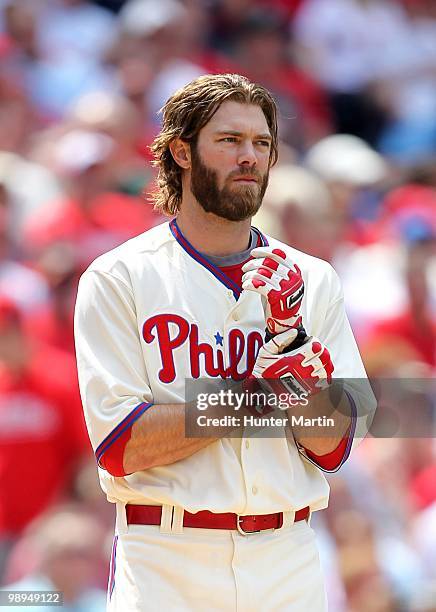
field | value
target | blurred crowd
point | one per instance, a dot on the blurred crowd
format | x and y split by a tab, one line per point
81	84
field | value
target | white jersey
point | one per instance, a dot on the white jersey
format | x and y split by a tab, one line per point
154	312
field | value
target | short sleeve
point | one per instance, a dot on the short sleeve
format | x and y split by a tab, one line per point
113	381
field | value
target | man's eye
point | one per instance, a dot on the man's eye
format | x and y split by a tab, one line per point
228	139
263	143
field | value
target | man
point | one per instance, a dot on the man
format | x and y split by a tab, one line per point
186	300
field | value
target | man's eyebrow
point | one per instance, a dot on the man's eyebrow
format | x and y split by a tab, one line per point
265	136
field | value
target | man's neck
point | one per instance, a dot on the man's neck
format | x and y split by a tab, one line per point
213	235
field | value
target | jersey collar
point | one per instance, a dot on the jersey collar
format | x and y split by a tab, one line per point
204	261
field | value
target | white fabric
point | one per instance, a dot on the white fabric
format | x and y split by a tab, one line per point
206	569
152	275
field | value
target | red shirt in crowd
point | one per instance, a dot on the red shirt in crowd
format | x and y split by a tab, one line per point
42	436
419	335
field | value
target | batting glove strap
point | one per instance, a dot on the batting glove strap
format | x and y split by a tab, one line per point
308	369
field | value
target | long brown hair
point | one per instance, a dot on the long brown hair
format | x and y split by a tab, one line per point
187	112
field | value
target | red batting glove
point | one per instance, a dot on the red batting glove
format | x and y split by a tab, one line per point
306	370
272	274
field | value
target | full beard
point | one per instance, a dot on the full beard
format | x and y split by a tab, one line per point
234	204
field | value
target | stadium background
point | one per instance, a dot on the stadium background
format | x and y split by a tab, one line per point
81	84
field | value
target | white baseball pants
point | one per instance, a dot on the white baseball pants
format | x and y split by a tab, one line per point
206	570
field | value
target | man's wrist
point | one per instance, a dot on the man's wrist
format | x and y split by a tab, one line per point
324	421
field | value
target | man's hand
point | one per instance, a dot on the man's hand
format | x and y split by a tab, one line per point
272	274
307	369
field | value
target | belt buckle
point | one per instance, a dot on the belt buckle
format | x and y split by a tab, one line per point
239	518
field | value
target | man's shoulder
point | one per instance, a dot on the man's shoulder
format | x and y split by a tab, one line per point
127	254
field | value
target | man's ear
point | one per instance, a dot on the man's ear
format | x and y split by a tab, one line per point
181	152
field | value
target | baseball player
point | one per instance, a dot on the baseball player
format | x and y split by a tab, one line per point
218	522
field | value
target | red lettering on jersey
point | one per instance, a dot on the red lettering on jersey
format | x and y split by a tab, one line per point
223	371
254	342
196	349
158	327
236	352
166	344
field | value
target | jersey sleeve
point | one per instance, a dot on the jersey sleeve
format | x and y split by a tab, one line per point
113	381
331	462
338	337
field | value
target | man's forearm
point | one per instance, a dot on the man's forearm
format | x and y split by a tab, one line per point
158	438
322	438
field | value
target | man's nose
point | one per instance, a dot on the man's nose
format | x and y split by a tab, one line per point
247	154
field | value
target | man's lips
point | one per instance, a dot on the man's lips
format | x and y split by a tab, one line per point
245	179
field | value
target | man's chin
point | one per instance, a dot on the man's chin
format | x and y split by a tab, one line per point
236	218
238	213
